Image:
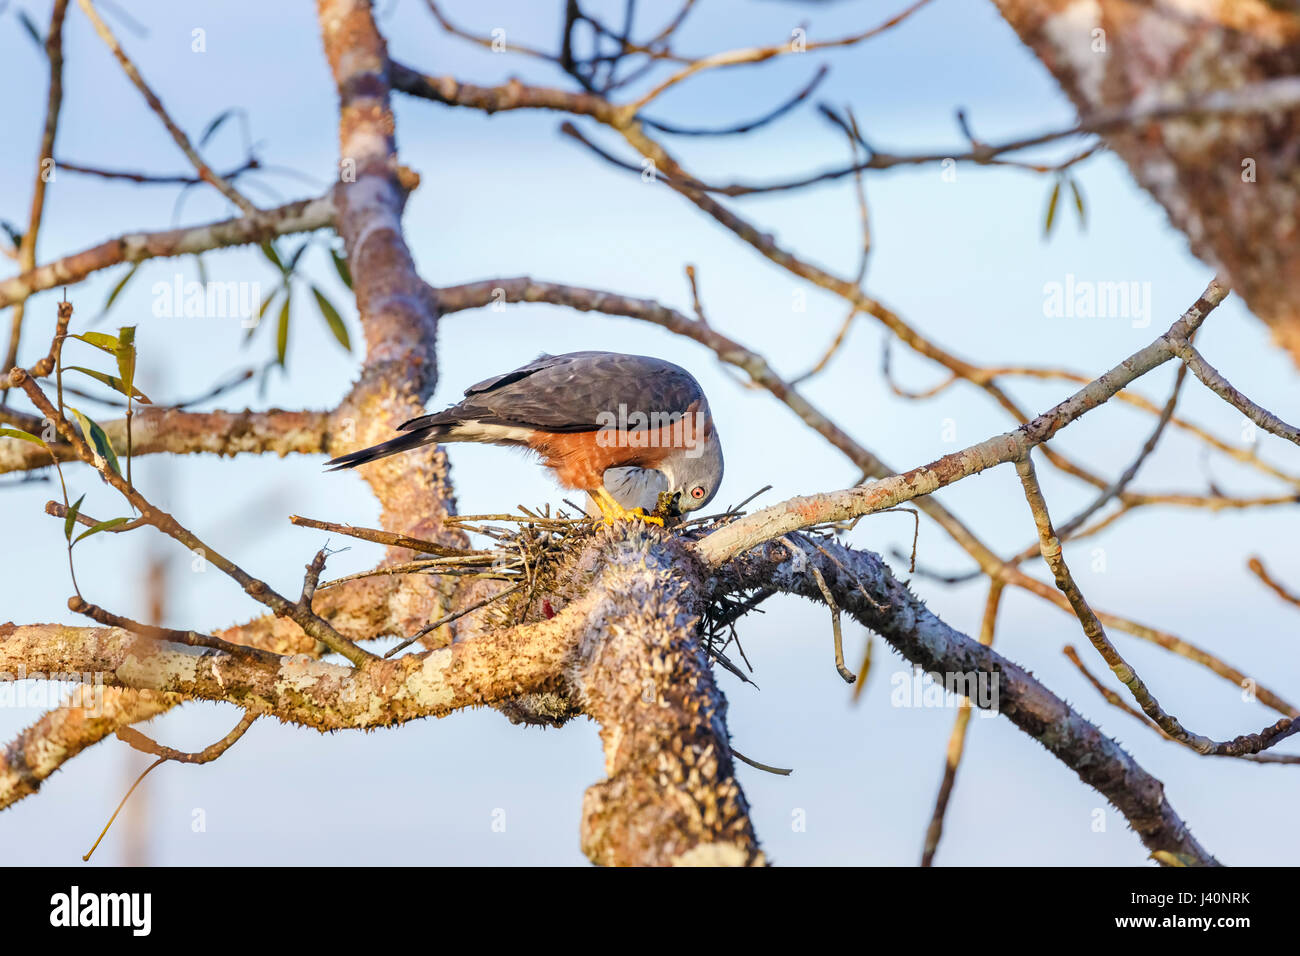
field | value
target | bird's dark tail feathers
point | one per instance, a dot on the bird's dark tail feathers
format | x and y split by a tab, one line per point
401	443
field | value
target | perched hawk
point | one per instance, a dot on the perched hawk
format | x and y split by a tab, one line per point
623	428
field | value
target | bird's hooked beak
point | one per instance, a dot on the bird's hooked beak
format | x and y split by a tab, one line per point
675	505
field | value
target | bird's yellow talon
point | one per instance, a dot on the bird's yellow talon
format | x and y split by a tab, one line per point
611	511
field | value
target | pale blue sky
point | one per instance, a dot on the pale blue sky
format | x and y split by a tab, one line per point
505	195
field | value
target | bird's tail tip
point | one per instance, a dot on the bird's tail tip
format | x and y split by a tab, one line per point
392	447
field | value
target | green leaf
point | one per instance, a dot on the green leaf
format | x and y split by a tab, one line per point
1078	203
293	259
112	381
117	289
282	332
101	526
19	433
100	340
261	313
14	235
1051	209
97	440
341	266
32	31
333	319
126	361
70	521
268	250
211	129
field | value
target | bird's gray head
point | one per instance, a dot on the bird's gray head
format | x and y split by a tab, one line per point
690	476
694	474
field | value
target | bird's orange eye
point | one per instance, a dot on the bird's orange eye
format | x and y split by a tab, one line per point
697	492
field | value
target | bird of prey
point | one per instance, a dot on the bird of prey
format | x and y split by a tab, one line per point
626	429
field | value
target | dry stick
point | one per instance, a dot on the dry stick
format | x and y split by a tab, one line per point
750	125
957	739
164	522
1216	383
54	103
1066	531
886	361
178	136
59	510
864	217
761	54
1115	700
1092	627
490	42
1264	97
1247	456
154	179
848	675
192	638
473	563
378	536
447	619
779	771
1110	696
1257	566
140	742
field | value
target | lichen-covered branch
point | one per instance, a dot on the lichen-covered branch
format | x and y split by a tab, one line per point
863	585
175	431
304	215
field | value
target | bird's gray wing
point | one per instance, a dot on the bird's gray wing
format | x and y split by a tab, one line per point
571	392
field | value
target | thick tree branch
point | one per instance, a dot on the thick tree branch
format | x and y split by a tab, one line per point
303	215
174	431
862	584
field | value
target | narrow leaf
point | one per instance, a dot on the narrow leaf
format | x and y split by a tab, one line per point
282	332
100	340
293	259
211	129
97	440
70	520
1051	209
32	31
261	314
112	381
268	250
101	526
341	266
14	235
126	359
19	433
117	289
333	319
1078	202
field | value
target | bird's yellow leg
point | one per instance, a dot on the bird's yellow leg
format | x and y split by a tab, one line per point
613	511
